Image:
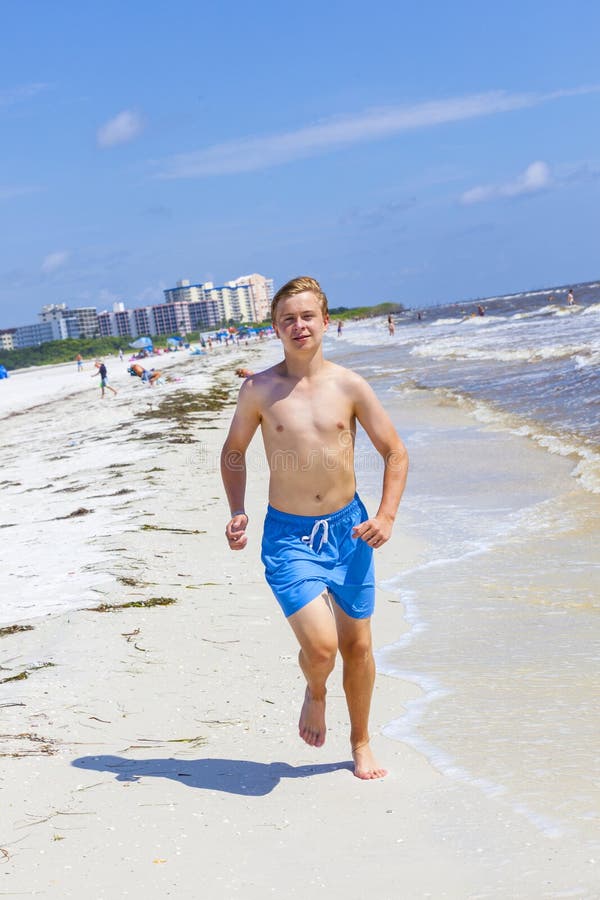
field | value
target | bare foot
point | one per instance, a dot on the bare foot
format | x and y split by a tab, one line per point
365	766
312	721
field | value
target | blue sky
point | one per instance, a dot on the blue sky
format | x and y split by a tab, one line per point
417	153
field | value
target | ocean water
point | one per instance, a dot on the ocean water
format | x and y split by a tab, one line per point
501	417
531	363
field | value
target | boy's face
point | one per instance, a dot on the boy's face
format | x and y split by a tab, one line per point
299	321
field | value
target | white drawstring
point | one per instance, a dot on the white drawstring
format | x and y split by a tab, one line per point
309	538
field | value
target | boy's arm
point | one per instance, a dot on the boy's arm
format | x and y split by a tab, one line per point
233	462
378	425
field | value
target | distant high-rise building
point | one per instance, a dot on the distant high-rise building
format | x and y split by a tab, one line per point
172	318
53	312
40	333
87	320
7	338
83	319
184	292
204	313
260	295
118	323
246	299
143	318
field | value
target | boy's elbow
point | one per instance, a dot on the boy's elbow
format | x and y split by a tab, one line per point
232	458
397	458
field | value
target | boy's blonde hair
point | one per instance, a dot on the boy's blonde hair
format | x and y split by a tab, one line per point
297	286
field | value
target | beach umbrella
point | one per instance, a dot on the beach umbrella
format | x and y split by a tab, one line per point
142	343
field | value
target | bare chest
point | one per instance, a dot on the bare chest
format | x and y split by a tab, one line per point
304	417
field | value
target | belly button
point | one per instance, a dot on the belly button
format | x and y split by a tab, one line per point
318	497
279	428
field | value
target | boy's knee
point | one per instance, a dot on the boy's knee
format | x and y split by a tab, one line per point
321	654
358	649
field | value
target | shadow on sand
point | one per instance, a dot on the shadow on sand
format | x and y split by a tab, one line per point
232	776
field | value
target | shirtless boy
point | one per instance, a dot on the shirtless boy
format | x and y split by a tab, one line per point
318	538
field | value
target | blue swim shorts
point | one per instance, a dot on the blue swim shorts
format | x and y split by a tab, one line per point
306	555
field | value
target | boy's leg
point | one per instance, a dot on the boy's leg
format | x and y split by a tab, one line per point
356	648
315	629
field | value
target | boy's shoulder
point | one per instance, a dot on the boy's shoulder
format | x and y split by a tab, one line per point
264	377
344	376
258	384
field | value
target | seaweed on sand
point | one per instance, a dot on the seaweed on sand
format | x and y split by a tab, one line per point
130	581
143	604
13	629
42	746
21	676
184	407
81	511
172	530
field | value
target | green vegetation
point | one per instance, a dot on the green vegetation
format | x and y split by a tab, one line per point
365	312
53	352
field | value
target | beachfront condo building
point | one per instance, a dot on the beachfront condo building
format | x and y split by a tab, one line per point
81	321
7	338
172	318
40	333
259	292
245	299
120	322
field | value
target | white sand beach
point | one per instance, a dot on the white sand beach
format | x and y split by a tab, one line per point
153	751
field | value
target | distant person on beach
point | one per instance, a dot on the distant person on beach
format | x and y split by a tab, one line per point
318	538
79	361
243	373
481	310
101	371
391	326
148	376
570	298
340	328
120	355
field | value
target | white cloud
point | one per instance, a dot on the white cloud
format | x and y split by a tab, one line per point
22	92
254	153
536	177
54	261
125	126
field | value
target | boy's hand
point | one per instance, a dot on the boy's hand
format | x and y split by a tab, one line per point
374	532
235	532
